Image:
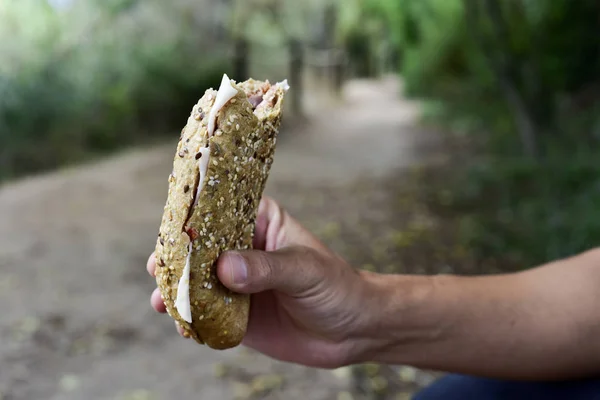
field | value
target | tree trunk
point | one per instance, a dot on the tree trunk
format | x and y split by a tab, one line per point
503	67
339	72
523	119
240	64
296	81
330	22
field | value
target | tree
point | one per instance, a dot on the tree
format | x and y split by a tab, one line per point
496	48
531	63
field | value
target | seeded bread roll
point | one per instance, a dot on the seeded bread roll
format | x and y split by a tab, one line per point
219	173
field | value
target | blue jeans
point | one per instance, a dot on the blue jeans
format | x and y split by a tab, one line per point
459	387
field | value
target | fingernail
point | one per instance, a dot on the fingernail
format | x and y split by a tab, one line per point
239	269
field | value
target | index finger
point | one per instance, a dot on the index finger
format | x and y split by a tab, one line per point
276	229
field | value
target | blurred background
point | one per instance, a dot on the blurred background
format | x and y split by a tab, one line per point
420	136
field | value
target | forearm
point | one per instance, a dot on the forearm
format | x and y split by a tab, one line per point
539	324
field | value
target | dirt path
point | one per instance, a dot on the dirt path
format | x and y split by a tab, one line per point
77	322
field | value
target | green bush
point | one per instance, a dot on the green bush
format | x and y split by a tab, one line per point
490	70
96	77
526	213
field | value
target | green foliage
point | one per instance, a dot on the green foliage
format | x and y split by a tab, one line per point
503	73
272	22
527	213
95	77
452	48
364	33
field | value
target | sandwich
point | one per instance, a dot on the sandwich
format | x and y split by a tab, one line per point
220	169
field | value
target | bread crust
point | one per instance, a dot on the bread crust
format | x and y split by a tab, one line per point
241	154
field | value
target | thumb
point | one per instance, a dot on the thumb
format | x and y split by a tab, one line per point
291	270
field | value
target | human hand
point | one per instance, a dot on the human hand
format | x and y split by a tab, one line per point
308	306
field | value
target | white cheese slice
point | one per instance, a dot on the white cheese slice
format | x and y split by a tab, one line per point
226	93
182	303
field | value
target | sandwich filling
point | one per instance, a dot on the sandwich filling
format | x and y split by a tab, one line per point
182	302
260	97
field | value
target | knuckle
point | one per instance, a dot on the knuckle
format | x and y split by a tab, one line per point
312	266
310	257
263	268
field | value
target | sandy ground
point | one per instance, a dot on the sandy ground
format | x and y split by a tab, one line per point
76	321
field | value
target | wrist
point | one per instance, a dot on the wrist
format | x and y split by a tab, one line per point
403	313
